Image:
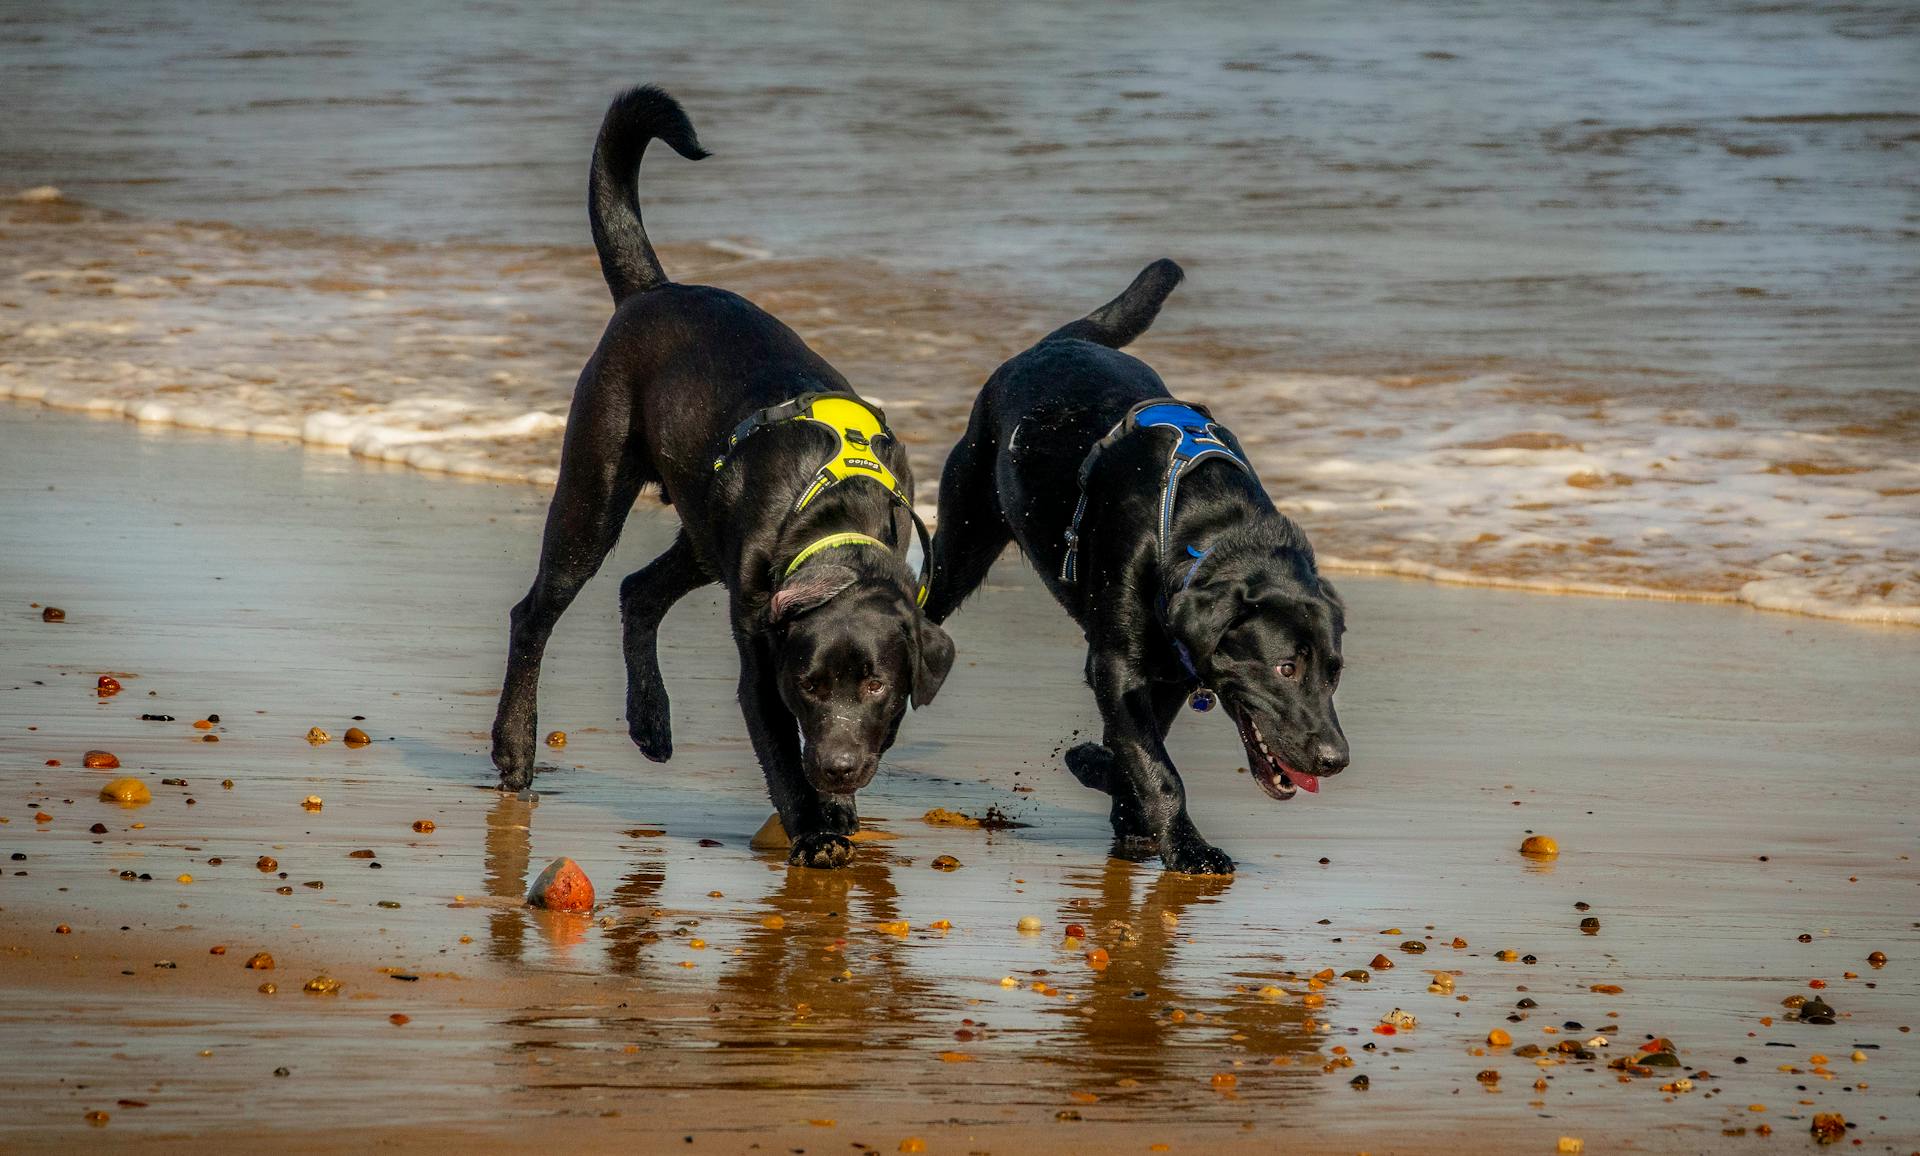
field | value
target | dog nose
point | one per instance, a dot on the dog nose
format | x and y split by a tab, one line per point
842	765
1330	757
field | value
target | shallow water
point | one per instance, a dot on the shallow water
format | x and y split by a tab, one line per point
1618	299
1666	747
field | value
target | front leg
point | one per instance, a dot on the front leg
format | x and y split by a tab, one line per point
817	825
1149	799
645	597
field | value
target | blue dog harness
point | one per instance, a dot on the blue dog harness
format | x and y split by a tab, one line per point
1197	438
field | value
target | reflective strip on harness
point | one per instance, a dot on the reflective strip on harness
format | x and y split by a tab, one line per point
1197	438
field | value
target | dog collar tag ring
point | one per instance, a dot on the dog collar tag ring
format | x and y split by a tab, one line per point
1202	700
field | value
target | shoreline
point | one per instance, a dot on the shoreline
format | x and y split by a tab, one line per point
1719	783
425	458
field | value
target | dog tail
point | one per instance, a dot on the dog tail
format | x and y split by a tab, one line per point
1128	315
635	117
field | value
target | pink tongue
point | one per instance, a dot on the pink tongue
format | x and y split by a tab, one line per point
1307	783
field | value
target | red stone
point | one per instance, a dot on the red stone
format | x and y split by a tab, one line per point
563	886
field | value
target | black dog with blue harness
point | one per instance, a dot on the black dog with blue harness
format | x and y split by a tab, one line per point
1145	520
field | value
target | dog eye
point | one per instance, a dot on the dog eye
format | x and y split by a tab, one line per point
808	686
1287	669
873	686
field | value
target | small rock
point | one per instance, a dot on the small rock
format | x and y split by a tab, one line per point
1413	947
316	736
260	961
1828	1127
127	792
267	863
423	826
99	760
1029	925
322	985
1498	1038
1400	1020
563	886
1877	959
1360	1083
1570	1146
107	686
555	739
1540	847
1380	963
55	614
312	803
98	829
945	863
355	737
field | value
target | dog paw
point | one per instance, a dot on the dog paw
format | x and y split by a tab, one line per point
513	758
1092	764
821	849
650	725
1196	856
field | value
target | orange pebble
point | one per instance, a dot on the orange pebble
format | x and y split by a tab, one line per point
108	685
563	886
202	724
100	760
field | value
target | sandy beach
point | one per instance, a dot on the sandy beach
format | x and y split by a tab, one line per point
1733	794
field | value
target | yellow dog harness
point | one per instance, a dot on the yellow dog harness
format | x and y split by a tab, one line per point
860	428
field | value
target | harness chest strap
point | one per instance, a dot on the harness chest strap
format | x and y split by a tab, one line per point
1197	438
859	426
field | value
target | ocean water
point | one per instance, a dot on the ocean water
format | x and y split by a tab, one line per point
1608	298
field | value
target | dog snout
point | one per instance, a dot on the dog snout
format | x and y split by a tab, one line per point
843	770
1330	756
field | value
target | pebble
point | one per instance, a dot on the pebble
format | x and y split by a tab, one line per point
312	803
557	739
267	863
423	826
63	929
1029	925
55	614
322	985
1380	963
108	685
1877	959
260	961
126	792
355	737
97	1118
316	736
99	760
1828	1127
563	886
98	829
1570	1146
398	1019
1540	847
1413	947
945	863
1498	1038
1400	1020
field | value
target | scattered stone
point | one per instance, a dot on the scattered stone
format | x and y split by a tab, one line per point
555	739
1828	1127
107	686
1540	847
260	961
316	736
945	863
322	985
423	826
1816	1011
312	803
1360	1083
355	737
98	829
267	863
1498	1038
55	614
1380	963
563	886
99	760
1413	947
1877	960
127	792
1399	1020
1029	925
363	853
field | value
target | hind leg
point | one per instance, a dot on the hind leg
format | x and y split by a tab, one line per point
598	482
972	531
1095	766
645	597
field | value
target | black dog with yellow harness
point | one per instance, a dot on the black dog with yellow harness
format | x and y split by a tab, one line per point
1145	519
804	514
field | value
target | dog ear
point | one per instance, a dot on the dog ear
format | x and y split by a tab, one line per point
933	658
813	586
1330	594
1198	617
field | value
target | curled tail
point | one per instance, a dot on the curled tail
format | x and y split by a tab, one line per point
635	117
1128	315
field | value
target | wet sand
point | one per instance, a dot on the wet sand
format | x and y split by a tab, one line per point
1720	782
